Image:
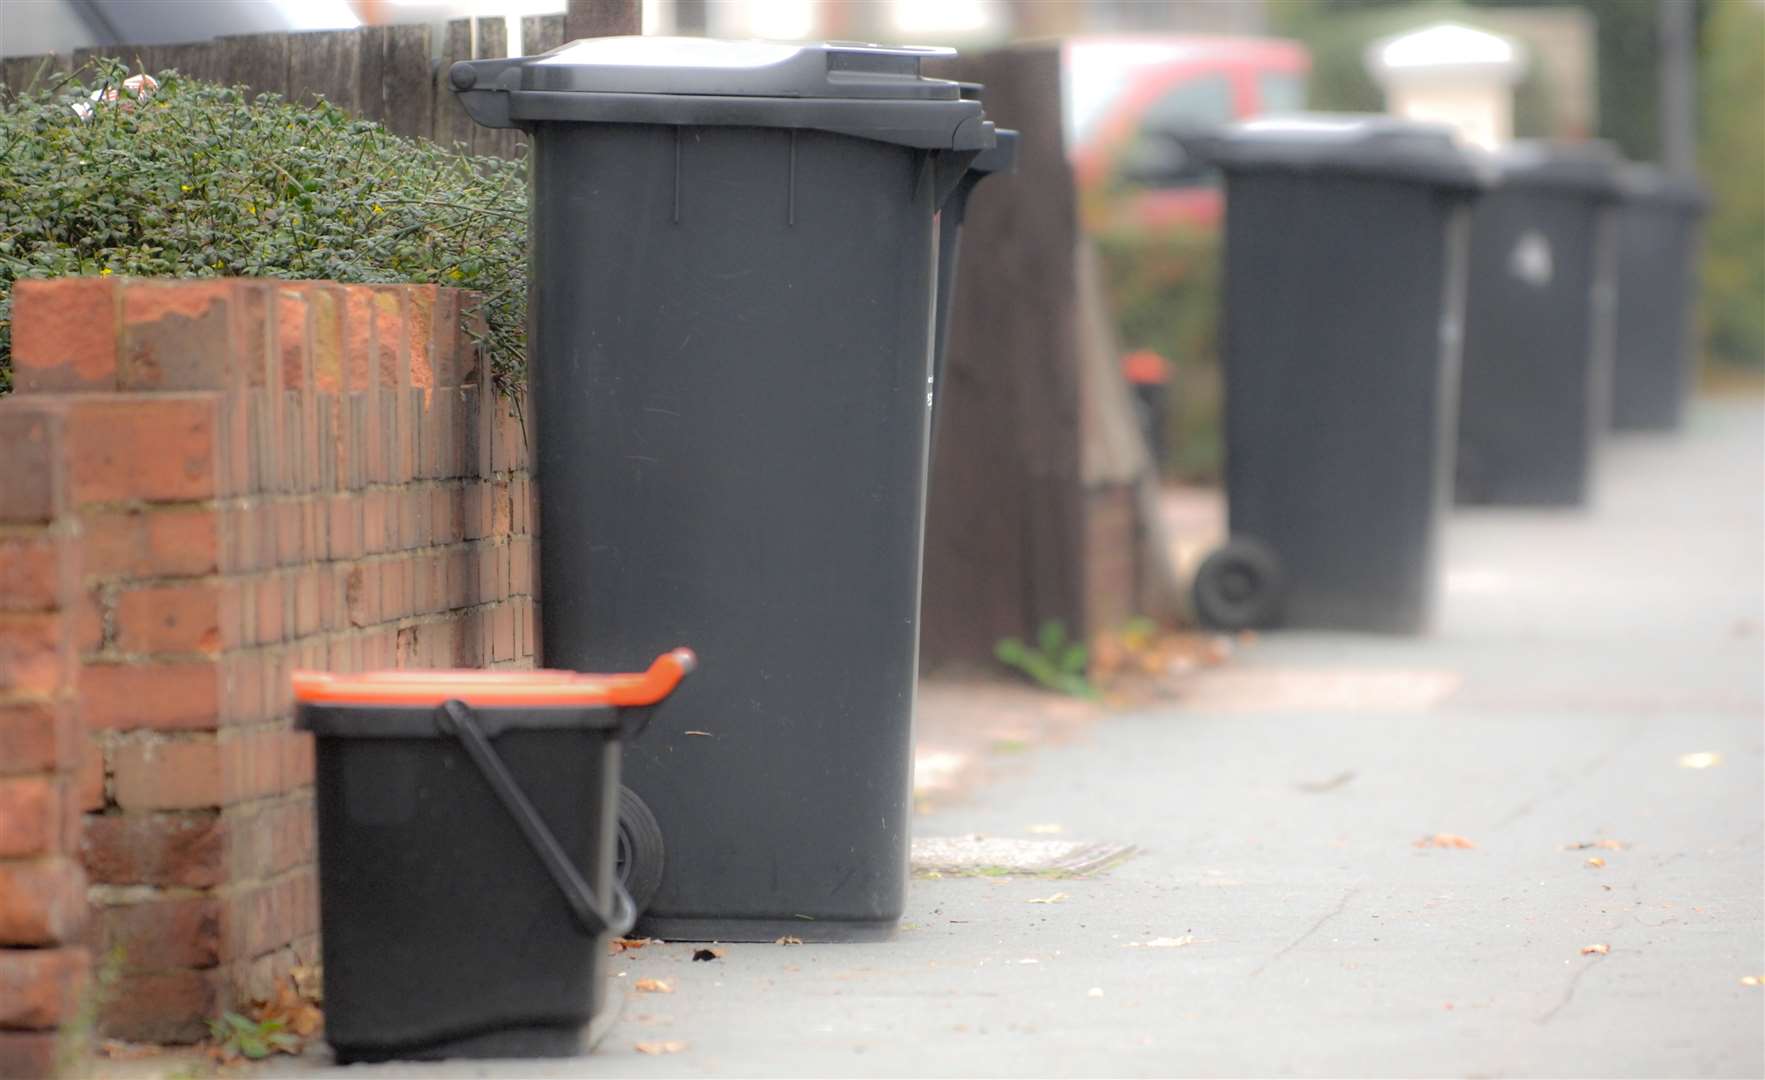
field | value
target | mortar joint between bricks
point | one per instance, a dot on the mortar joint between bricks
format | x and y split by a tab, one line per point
99	895
144	506
119	657
13	696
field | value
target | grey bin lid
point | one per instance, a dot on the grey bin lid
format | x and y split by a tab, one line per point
870	91
1588	167
1352	144
1646	184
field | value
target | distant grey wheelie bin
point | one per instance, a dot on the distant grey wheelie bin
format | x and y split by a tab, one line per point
1659	223
731	304
1539	329
1345	261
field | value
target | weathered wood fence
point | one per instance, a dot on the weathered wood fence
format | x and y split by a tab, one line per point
395	75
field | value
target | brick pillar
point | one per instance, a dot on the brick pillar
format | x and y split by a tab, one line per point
43	972
266	476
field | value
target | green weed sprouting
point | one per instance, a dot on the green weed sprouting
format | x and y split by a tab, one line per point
199	180
1055	662
254	1040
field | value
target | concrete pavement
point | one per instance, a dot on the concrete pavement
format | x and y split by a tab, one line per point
1597	678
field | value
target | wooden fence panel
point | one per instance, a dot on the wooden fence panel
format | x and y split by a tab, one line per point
541	33
21	72
407	82
200	60
327	64
1006	517
381	73
257	61
452	125
370	74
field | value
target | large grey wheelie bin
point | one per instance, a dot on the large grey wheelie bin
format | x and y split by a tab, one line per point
1658	243
1536	387
1345	258
731	303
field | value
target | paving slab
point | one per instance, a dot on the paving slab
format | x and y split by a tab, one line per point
1587	717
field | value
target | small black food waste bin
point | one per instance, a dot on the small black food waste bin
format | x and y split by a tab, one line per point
1345	258
467	826
1659	223
1536	386
730	329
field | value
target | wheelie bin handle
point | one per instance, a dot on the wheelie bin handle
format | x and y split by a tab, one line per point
455	718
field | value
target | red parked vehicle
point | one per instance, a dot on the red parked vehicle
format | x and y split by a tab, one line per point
1127	96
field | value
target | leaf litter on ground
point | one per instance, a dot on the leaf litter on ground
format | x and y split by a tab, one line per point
1162	943
654	986
1446	840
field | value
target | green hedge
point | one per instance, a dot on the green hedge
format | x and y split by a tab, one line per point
1733	159
198	181
1164	291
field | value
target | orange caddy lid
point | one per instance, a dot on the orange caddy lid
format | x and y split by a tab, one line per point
495	689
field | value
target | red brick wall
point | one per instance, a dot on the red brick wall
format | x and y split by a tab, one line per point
43	969
261	476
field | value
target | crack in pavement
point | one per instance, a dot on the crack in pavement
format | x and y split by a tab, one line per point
1561	788
1340	907
1569	991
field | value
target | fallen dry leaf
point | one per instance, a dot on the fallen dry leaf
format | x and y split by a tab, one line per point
1595	950
1595	861
1055	899
1321	786
297	1015
627	944
1161	943
1445	840
654	986
309	982
660	1047
1703	759
707	954
788	940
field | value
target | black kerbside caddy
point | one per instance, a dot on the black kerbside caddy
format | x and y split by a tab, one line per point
730	328
1536	389
467	830
1345	260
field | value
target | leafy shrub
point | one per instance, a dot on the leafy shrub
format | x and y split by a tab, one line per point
1164	291
1733	157
198	181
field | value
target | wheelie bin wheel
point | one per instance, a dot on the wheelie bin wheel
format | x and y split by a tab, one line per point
641	853
1239	587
